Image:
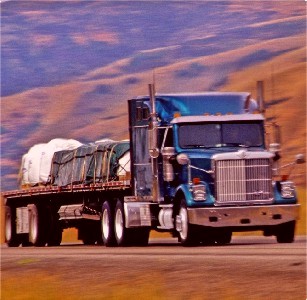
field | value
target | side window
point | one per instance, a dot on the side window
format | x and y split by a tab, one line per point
168	138
142	112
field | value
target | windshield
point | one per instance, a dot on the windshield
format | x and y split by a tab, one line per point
201	135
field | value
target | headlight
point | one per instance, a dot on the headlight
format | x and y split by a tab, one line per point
199	192
287	189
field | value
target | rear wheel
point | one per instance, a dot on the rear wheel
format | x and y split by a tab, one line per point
121	233
11	237
128	236
285	232
37	226
107	224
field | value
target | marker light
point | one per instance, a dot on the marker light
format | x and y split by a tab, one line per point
177	114
196	180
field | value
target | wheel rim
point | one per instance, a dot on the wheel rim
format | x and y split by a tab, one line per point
105	224
34	227
184	223
8	228
119	224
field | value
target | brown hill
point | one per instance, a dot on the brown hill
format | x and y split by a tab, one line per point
269	46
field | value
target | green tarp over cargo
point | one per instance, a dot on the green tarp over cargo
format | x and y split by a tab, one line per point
93	163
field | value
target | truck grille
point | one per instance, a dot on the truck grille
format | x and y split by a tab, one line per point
243	181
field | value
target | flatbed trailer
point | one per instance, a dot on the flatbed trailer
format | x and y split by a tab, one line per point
199	168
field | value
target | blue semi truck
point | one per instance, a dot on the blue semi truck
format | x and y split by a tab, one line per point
198	167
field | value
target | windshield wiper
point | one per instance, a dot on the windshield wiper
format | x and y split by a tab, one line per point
198	146
236	145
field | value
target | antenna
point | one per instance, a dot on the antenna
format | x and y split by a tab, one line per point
154	81
273	91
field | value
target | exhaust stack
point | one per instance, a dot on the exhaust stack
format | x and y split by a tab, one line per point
260	96
153	143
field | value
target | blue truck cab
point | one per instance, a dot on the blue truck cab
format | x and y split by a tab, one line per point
200	168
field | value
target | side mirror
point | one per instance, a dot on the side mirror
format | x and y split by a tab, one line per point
274	147
154	153
300	158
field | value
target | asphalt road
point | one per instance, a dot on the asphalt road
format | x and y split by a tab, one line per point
248	268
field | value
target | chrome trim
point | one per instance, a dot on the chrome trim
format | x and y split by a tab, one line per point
222	118
140	126
243	178
246	216
287	189
243	154
22	220
137	214
199	192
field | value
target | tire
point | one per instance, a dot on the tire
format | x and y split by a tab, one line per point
37	226
121	233
107	225
207	236
285	232
55	230
88	232
223	237
188	233
139	237
11	237
88	241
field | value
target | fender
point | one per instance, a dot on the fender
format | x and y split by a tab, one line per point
185	190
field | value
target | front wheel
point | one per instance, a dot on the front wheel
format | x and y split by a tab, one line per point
223	237
285	232
188	235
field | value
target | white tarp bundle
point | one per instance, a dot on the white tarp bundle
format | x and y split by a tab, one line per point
36	163
124	165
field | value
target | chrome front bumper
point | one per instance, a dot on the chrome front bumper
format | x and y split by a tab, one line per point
244	216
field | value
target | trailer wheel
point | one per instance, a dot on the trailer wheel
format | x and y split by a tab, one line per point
37	226
55	230
188	233
285	232
11	237
107	225
88	233
139	236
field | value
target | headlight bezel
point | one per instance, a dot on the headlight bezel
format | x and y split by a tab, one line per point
199	192
287	189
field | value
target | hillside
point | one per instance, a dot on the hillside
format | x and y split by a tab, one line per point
69	67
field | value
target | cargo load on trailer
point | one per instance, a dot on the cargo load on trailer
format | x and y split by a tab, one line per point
36	163
64	162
